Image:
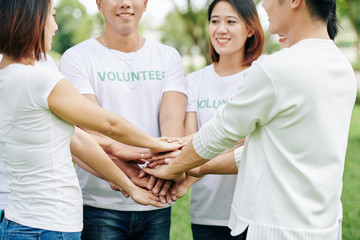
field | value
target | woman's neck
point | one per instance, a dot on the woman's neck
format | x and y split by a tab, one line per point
7	60
229	65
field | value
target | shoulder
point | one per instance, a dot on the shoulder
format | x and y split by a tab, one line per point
163	48
83	47
199	77
45	71
198	74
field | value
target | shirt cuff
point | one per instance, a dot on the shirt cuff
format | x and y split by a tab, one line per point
238	153
201	150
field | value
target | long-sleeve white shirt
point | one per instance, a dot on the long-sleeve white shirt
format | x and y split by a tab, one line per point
294	106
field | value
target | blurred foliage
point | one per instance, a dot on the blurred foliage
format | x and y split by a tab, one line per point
185	29
75	25
351	10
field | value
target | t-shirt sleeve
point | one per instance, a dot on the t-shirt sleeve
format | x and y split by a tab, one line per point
191	101
253	105
175	74
42	81
73	68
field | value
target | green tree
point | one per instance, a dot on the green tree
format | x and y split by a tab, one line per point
186	29
351	10
75	25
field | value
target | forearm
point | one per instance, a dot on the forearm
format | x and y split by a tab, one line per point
85	167
186	160
90	153
222	164
172	114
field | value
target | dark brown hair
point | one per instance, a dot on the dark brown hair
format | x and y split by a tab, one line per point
254	45
22	27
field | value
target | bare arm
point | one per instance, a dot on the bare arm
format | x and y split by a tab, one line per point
90	153
172	114
222	164
191	123
74	108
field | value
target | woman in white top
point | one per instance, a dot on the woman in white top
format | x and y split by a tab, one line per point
38	111
236	39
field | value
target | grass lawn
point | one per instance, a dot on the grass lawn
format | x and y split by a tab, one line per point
180	219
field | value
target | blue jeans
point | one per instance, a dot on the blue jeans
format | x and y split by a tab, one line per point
206	232
104	224
14	231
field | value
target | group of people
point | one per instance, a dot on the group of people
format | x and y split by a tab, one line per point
260	140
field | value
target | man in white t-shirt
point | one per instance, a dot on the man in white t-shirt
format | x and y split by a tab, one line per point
4	190
295	107
142	81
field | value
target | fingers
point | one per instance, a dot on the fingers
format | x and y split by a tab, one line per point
146	198
172	154
149	171
169	199
158	162
142	174
158	186
165	187
170	139
152	181
139	161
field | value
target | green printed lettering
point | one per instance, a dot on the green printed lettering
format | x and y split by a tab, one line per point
163	75
135	76
214	104
144	74
111	76
118	76
201	104
102	77
207	103
223	102
151	75
158	75
128	77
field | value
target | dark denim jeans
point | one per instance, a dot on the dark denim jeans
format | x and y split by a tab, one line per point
103	224
206	232
14	231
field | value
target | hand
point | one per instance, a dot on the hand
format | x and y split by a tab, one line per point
166	144
132	171
117	188
187	138
164	171
180	189
163	158
129	153
144	197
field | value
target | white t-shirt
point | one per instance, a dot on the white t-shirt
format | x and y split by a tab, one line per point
128	84
4	190
35	150
211	197
295	108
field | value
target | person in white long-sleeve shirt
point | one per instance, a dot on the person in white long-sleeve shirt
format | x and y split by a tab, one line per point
295	107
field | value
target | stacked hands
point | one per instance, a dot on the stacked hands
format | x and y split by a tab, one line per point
137	162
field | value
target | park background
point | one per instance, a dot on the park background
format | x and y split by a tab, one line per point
183	25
